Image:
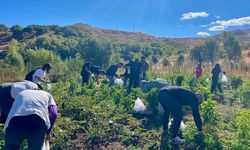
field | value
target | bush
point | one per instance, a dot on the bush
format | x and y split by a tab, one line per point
236	81
15	59
244	94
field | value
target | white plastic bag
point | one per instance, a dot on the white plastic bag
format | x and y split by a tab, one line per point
182	126
49	86
224	79
139	107
119	82
46	145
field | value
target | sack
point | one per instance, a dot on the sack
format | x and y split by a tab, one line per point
119	82
46	145
224	79
182	126
139	107
49	86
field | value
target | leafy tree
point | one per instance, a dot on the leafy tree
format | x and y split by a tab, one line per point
14	46
154	59
232	46
180	59
99	50
196	53
36	58
165	62
29	29
13	57
3	28
210	50
17	32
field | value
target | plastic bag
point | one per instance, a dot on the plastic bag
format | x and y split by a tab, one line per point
182	126
139	107
49	86
224	79
46	145
119	82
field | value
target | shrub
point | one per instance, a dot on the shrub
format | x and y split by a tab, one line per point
236	81
244	94
208	112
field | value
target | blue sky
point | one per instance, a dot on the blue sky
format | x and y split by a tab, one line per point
161	18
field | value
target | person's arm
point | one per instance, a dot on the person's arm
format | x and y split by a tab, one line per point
197	117
52	117
40	76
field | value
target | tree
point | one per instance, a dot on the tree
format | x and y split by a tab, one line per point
180	60
14	46
165	62
29	29
99	50
196	53
17	32
231	46
210	50
14	58
3	28
154	59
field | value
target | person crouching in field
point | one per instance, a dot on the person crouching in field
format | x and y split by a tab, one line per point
172	99
8	93
86	73
31	117
111	73
38	75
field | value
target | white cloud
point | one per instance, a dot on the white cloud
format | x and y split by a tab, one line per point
217	28
218	17
222	25
234	22
202	33
193	15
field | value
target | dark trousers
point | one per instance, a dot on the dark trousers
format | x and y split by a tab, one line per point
6	102
85	79
30	127
134	81
216	83
170	105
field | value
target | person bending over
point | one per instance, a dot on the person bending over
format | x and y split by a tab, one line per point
172	99
31	117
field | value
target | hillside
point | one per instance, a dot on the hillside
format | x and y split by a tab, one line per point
242	35
121	36
124	36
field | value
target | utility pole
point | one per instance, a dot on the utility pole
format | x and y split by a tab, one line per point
133	26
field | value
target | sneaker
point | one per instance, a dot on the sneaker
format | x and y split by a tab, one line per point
177	141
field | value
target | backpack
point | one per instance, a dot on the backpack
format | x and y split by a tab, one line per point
30	75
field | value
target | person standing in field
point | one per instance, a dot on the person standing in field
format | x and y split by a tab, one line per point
134	80
216	71
111	73
144	68
198	71
86	73
31	117
172	98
